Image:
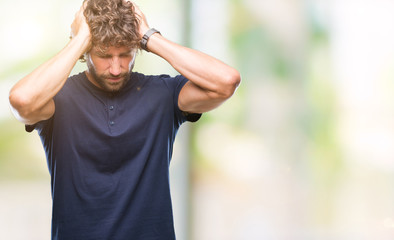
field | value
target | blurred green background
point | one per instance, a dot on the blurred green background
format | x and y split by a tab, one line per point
303	150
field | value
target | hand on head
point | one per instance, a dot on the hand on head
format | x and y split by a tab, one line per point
79	27
144	27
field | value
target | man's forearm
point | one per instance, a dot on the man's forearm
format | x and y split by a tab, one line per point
211	81
31	98
203	70
32	94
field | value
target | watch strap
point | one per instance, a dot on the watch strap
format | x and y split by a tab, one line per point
145	38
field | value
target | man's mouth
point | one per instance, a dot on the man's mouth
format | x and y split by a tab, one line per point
117	79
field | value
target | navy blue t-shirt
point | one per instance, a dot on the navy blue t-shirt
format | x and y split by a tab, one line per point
108	156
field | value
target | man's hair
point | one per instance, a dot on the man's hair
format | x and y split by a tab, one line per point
112	23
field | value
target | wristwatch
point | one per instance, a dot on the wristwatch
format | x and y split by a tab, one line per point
145	38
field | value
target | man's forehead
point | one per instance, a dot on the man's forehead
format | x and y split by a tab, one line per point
111	49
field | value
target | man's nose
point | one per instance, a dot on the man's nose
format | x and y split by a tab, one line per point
115	67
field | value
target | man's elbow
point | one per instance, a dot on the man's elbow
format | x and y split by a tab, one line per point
20	105
230	85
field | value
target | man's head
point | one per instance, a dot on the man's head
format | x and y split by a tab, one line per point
115	40
112	23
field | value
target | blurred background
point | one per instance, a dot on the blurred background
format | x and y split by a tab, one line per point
304	149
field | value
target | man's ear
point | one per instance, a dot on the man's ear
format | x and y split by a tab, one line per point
83	58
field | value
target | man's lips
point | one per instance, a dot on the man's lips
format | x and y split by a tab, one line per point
115	79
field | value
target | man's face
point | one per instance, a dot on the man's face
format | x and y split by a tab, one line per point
110	70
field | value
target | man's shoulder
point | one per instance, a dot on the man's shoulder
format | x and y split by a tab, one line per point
74	81
161	79
76	78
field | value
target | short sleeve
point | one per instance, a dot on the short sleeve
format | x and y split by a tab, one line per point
30	128
192	117
185	116
42	127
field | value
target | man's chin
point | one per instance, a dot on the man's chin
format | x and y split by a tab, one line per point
111	86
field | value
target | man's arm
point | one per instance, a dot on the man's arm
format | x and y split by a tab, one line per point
31	98
211	81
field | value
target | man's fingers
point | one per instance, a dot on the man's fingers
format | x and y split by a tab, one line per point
79	20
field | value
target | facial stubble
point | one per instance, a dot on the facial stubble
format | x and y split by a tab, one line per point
104	83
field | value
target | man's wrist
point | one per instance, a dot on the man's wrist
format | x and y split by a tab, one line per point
145	38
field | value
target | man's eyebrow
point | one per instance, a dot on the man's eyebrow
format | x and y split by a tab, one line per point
105	54
128	52
102	54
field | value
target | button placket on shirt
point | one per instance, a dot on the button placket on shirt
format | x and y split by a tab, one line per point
111	113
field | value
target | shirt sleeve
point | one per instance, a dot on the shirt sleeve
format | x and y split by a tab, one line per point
30	128
191	117
42	127
175	85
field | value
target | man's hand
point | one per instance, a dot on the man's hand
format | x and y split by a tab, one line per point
79	27
144	27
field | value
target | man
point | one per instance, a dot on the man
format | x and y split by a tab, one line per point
108	132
